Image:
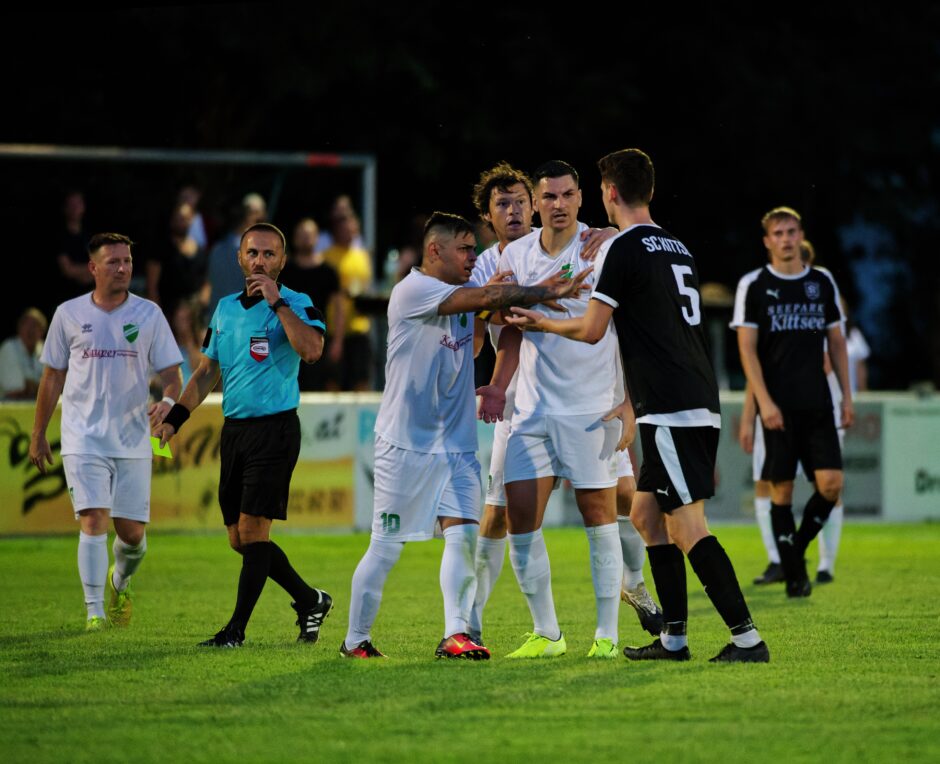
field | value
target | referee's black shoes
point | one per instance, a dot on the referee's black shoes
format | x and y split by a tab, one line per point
311	618
656	652
228	637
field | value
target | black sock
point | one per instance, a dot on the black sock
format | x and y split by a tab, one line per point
668	568
781	520
817	511
284	575
256	563
713	568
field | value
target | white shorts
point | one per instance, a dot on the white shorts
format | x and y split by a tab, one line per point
495	487
122	486
760	451
624	465
413	489
579	447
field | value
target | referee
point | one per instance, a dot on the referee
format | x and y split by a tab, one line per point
255	341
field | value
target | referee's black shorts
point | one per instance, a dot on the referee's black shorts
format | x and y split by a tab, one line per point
809	437
258	456
678	464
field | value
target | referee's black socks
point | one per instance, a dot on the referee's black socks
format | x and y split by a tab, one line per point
283	574
256	566
668	568
713	568
817	511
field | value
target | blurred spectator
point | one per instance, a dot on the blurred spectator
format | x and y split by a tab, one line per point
187	332
199	230
20	368
71	252
354	266
178	270
341	204
224	275
307	271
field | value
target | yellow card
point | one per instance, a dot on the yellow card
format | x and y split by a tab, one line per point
157	450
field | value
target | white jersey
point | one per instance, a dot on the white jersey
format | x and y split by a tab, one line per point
558	375
486	266
428	404
109	357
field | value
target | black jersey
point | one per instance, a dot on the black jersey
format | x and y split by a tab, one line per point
650	280
792	314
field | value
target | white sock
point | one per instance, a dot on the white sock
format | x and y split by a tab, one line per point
762	512
127	559
829	538
458	578
529	559
489	564
606	572
367	584
674	641
93	570
747	639
634	552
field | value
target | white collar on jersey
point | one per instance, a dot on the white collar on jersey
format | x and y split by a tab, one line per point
788	276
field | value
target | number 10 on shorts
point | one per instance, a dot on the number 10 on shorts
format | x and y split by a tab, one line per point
391	523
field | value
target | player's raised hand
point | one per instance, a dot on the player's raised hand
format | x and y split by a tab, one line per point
624	412
40	454
523	318
500	277
593	238
492	404
164	431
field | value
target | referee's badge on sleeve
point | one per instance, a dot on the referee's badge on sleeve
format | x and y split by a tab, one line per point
259	348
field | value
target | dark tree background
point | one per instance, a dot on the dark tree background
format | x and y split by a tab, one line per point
830	109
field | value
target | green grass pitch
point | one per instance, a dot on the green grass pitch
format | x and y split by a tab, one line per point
853	673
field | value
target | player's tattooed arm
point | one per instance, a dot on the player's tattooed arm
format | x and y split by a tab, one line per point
499	296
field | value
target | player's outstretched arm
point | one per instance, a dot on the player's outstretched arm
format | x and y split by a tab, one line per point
500	296
839	356
590	327
593	238
50	388
770	414
201	383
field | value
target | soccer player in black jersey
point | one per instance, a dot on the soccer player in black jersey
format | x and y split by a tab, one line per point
648	284
784	318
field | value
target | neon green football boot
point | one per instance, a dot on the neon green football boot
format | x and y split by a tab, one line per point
603	648
96	623
119	603
537	646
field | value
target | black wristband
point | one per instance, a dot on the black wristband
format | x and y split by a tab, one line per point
279	302
176	416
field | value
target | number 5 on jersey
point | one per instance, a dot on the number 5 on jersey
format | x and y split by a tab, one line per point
692	315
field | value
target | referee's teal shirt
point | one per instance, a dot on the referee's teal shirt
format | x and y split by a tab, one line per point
259	366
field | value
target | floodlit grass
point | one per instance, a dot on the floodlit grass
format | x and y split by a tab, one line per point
853	673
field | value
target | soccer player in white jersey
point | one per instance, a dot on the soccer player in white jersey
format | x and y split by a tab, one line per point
100	353
425	465
503	198
648	285
564	426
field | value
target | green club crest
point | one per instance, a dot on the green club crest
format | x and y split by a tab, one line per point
131	331
463	320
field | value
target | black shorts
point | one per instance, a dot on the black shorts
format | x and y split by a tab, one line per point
258	457
678	464
809	437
